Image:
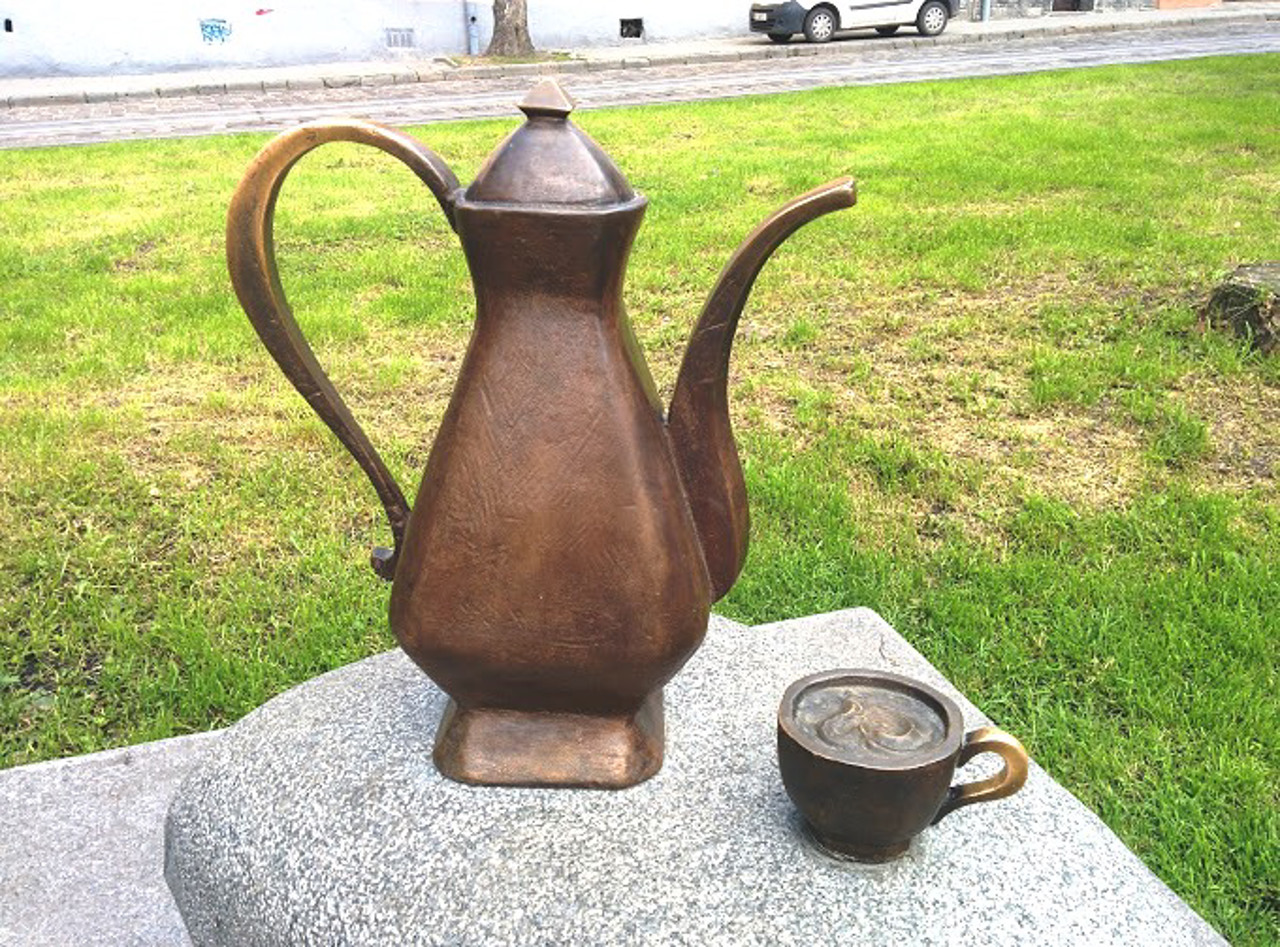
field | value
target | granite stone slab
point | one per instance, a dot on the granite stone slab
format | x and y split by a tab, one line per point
319	819
82	848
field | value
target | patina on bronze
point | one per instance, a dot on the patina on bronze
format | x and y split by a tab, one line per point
568	539
868	758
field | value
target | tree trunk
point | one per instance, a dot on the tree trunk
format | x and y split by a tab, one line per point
510	29
1248	303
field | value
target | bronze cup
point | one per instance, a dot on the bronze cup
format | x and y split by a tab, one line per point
868	758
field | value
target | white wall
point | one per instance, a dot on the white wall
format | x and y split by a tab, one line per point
96	37
102	37
560	24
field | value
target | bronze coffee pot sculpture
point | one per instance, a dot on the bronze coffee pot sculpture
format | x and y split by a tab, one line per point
559	564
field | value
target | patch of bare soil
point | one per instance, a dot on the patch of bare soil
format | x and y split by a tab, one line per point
949	373
1244	432
135	261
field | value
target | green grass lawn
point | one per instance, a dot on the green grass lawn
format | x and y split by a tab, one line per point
980	402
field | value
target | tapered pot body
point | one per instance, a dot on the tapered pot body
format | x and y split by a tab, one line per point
550	579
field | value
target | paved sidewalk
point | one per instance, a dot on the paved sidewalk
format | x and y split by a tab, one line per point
70	90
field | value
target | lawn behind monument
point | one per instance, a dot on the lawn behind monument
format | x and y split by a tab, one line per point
980	402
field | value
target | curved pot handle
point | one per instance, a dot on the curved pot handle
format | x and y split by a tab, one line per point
251	260
1009	780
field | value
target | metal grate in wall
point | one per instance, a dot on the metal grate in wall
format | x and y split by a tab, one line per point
400	37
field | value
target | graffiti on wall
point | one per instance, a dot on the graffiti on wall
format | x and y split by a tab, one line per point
215	31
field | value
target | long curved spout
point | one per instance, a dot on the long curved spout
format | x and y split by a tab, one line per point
701	433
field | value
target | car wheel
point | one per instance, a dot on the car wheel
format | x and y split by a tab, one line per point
932	18
780	37
820	25
886	30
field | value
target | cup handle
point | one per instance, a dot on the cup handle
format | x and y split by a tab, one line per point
1004	783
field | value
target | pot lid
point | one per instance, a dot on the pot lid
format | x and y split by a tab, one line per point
549	160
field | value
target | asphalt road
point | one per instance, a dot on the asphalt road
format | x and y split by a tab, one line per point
422	103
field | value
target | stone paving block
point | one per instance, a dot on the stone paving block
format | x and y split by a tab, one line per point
341	82
100	95
378	80
305	83
48	98
81	848
478	72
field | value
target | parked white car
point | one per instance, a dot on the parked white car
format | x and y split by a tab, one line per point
820	21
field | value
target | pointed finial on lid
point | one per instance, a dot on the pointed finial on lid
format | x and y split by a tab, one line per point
548	99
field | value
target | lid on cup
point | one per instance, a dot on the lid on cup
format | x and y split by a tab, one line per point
870	717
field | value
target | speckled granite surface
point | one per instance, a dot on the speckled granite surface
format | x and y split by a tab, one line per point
319	819
82	847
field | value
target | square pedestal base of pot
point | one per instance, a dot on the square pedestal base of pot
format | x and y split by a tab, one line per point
493	747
